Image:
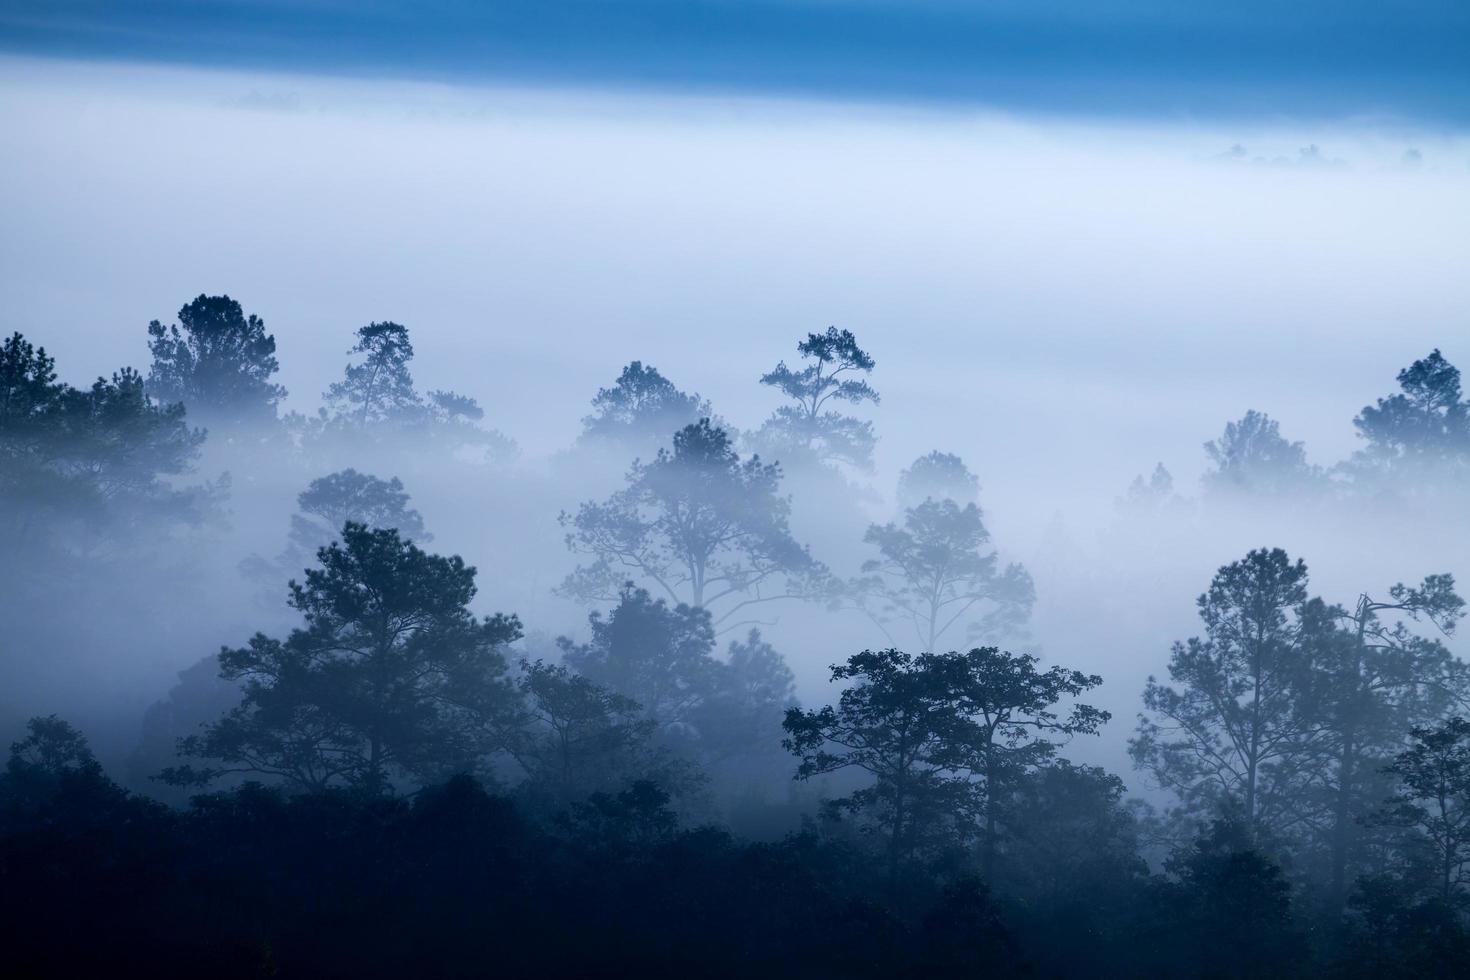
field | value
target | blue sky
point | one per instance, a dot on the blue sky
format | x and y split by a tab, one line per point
1405	59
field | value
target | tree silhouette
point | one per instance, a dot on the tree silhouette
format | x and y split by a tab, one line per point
1379	678
942	476
658	656
936	571
810	429
699	524
642	408
944	736
105	457
1006	726
390	679
218	362
1434	798
1422	430
377	402
1252	457
379	388
741	718
578	738
1233	908
896	722
347	495
326	504
1225	732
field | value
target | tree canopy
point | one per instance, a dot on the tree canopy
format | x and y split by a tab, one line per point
218	362
697	523
391	676
811	430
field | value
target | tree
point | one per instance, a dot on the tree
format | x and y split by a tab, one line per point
376	400
1434	798
579	738
1393	933
1226	732
217	361
380	387
122	446
700	524
641	408
97	513
660	657
29	392
199	698
89	475
810	430
326	504
33	476
347	495
1007	725
1069	835
936	571
1378	679
1233	908
1252	457
943	736
391	678
942	476
895	722
51	748
1151	497
741	718
103	455
1424	429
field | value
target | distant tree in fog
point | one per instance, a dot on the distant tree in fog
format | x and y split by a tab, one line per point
1252	457
942	476
810	430
698	524
376	401
642	407
658	655
379	388
323	508
1422	431
937	570
347	495
218	362
390	678
742	716
1150	497
103	456
199	698
663	658
578	738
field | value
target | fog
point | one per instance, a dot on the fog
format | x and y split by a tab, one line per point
703	383
1063	304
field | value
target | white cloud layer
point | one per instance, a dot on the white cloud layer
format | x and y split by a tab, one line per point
1061	302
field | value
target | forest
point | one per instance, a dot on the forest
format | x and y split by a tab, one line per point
378	691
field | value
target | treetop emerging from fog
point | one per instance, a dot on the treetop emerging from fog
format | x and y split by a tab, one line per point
811	430
217	361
